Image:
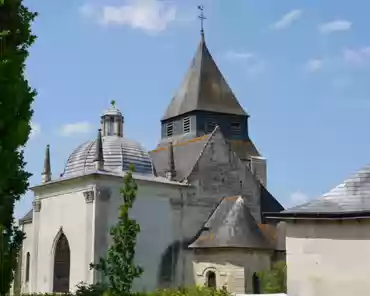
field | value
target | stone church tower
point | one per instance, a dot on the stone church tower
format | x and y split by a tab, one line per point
222	238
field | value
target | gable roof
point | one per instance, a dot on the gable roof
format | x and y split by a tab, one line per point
350	199
185	154
231	225
204	88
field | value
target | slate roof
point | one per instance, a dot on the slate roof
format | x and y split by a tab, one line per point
186	155
27	218
204	88
119	153
231	225
349	199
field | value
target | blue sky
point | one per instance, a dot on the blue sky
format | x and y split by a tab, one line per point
299	68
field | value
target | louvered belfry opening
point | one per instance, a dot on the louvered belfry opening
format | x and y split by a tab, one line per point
62	262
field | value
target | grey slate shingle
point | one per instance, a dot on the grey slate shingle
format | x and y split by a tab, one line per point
352	196
186	155
231	225
204	88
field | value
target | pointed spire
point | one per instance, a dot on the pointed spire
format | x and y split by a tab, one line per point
46	174
99	158
204	89
171	173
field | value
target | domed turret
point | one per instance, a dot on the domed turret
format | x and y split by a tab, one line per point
118	152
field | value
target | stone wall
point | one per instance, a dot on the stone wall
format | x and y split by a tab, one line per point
234	268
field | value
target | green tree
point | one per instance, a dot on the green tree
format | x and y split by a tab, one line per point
119	266
274	280
16	97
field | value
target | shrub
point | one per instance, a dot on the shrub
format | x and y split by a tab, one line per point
98	290
274	280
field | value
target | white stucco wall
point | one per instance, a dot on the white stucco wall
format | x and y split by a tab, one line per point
61	208
86	225
328	258
26	248
152	211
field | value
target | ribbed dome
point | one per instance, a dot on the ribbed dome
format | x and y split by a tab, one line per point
119	153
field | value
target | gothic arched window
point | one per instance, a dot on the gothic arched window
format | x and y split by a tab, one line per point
62	258
28	258
211	279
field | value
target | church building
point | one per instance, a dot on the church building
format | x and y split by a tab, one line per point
201	197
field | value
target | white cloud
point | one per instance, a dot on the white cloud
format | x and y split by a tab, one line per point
357	57
35	130
298	198
88	10
253	63
287	19
70	129
149	15
314	65
335	26
240	55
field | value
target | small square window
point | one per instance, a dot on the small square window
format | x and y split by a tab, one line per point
169	129
186	124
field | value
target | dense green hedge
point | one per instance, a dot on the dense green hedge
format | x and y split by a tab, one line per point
97	291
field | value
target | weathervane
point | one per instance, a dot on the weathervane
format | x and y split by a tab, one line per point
202	18
113	103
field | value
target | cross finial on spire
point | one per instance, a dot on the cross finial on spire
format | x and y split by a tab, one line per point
202	18
113	103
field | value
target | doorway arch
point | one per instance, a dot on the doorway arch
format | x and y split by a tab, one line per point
62	264
211	279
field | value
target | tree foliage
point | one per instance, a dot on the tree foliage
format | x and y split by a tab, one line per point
274	280
16	97
119	267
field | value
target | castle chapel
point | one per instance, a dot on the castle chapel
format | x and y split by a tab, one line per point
201	197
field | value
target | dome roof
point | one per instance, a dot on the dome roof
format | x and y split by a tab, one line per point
119	153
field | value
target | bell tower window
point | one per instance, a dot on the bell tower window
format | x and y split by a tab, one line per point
169	129
210	125
235	128
186	125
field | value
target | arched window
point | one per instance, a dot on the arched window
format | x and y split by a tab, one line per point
28	258
211	279
62	258
256	284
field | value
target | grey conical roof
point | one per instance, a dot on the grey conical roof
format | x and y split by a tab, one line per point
231	225
204	88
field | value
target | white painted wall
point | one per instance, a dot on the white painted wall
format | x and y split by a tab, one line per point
152	211
328	258
86	226
26	247
66	209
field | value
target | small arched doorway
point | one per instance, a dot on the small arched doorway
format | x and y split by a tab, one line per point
256	284
211	279
62	257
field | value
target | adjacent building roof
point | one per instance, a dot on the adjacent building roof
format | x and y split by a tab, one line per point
204	88
231	225
350	199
